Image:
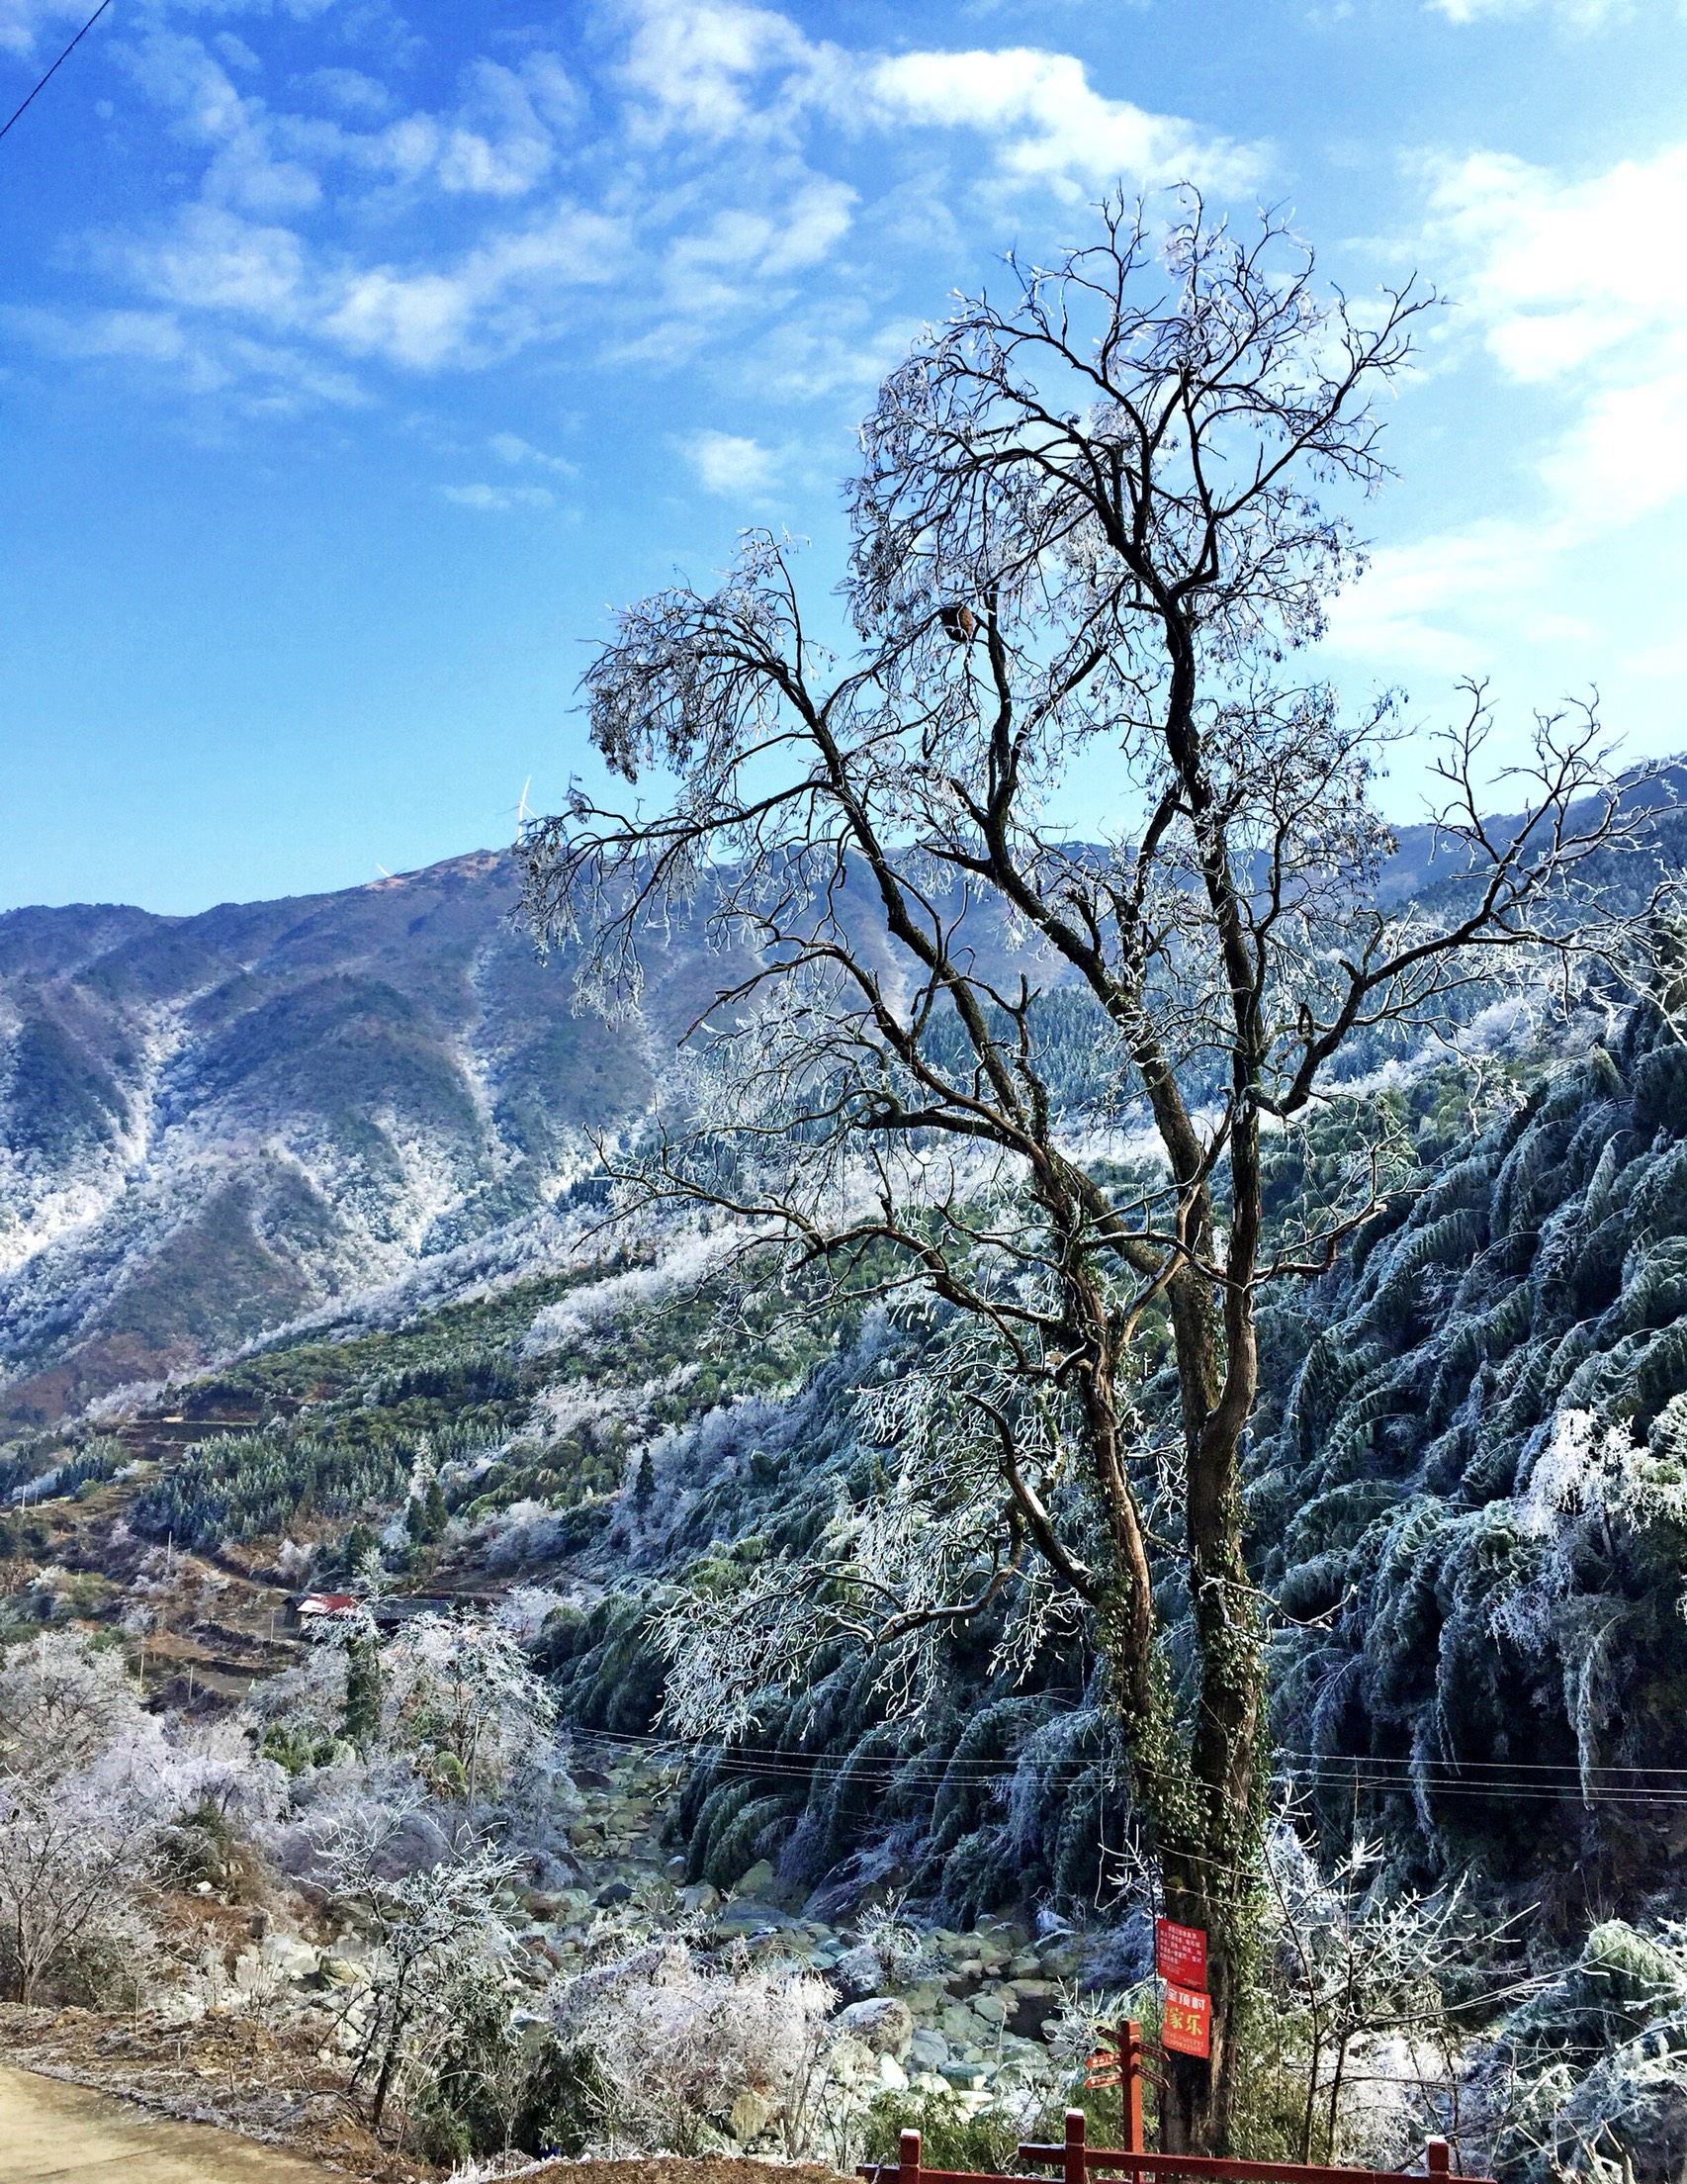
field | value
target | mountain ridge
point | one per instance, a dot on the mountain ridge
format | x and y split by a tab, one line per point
212	1123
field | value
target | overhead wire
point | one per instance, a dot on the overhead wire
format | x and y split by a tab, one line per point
1543	1781
57	64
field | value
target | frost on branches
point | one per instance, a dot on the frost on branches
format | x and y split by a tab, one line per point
440	1737
1602	1525
939	1543
90	1784
688	2048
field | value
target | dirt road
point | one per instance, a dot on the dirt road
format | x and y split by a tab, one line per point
50	2131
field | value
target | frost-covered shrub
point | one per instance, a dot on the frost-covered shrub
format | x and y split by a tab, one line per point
525	1610
437	1943
70	1871
459	1695
299	1716
294	1560
1589	2077
461	1742
526	1532
682	2045
63	1704
903	1953
91	1787
482	2086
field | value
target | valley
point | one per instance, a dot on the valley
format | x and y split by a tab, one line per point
557	1431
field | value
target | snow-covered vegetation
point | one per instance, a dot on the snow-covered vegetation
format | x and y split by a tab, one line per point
622	1484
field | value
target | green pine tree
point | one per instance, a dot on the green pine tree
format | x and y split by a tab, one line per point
429	1518
362	1688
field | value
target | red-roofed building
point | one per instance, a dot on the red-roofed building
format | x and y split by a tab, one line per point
328	1604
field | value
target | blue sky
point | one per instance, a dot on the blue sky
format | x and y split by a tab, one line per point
354	362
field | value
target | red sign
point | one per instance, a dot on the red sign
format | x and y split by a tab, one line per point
1101	2070
1186	2023
1180	1954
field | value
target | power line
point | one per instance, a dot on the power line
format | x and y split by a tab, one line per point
59	62
1571	1768
1489	1781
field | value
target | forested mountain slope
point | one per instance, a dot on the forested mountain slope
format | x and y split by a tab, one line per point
1472	1489
365	1118
1467	1475
210	1125
1468	1491
1469	1499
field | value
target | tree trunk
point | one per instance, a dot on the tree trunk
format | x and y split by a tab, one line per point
1197	2105
1208	1826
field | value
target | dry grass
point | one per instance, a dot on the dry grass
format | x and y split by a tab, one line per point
225	2070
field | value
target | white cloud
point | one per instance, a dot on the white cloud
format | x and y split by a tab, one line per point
724	262
828	346
510	448
1584	15
25	26
1628	455
245	168
254	376
499	142
217	260
1577	288
1436	603
695	68
350	90
728	72
1581	286
711	214
1050	123
501	147
236	52
1562	272
498	498
491	299
729	465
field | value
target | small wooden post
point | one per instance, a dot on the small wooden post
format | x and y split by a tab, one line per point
1438	2160
909	2149
1130	2082
1073	2169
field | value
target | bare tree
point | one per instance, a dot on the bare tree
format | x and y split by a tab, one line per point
1087	536
74	1842
1364	1963
428	1930
69	1868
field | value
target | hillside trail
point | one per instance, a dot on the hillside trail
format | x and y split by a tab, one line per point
68	2135
54	2133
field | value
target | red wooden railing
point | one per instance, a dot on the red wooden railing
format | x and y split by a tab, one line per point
1078	2161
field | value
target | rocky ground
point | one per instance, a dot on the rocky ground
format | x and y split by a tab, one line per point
957	2012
